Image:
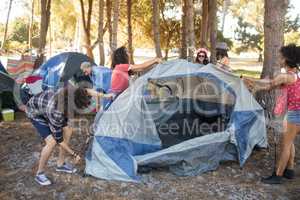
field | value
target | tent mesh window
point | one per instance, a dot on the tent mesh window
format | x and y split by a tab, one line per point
188	107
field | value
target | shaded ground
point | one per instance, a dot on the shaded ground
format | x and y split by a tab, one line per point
19	151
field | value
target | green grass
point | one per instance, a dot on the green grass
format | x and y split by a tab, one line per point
254	74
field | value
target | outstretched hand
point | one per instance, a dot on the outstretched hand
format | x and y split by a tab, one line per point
250	83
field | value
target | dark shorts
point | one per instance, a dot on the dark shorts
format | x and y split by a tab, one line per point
43	130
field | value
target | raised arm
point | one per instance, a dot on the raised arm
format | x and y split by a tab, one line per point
94	93
268	84
145	65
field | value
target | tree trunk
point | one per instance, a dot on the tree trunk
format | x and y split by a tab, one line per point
204	24
45	18
213	29
260	58
166	53
101	32
114	44
6	24
50	38
275	11
170	36
183	50
108	18
224	13
156	27
129	29
274	18
86	22
190	29
30	29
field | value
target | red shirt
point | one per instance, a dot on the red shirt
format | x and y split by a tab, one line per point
293	95
120	78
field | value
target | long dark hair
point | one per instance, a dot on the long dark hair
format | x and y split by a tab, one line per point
205	61
119	56
291	54
69	96
221	53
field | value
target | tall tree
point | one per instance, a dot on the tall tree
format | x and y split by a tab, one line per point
6	24
108	19
30	30
156	31
183	50
86	22
101	32
275	11
213	29
224	13
190	28
169	26
115	23
249	40
129	30
45	18
274	19
204	24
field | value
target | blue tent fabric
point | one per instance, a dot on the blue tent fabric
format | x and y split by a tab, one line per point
129	129
2	69
64	67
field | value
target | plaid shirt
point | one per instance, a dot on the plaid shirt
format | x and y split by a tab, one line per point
43	109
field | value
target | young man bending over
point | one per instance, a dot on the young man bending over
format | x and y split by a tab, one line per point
48	112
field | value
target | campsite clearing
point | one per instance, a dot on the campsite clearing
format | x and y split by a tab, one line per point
20	152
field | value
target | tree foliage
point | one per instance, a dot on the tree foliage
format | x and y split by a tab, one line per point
248	37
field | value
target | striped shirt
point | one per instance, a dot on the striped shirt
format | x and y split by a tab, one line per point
43	109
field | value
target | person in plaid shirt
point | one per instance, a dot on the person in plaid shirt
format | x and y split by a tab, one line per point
48	112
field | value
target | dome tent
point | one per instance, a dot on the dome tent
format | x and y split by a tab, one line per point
137	129
65	67
7	85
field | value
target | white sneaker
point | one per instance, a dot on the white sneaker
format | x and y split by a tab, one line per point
42	179
67	168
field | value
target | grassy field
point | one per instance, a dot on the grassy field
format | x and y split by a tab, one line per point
254	74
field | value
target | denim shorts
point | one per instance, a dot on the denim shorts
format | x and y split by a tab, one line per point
293	116
43	130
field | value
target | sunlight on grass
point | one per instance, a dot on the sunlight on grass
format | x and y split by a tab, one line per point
254	74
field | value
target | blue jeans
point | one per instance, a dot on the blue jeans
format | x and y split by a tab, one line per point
293	116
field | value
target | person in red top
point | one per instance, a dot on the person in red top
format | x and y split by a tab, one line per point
290	59
122	69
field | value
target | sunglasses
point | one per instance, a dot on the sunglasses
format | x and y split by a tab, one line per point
201	56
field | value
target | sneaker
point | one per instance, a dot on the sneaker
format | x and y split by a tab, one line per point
274	179
289	174
42	179
66	168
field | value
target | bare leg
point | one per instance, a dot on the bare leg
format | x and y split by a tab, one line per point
291	163
46	152
67	133
286	147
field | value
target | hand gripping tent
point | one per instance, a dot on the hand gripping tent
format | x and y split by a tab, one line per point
181	115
